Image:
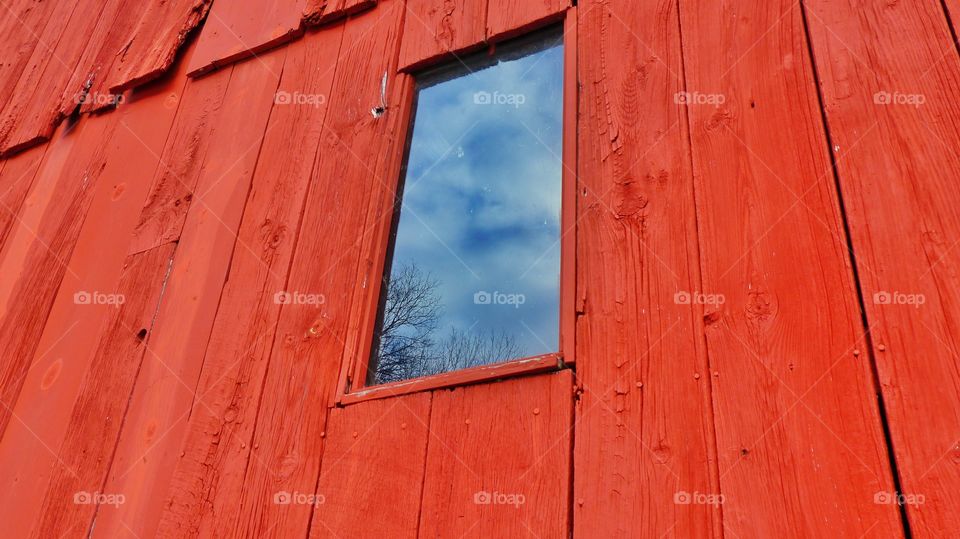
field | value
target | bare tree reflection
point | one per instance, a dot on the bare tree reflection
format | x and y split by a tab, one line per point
409	346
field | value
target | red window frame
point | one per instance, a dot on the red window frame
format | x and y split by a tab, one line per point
351	386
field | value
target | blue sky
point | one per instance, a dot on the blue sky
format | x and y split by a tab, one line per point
481	204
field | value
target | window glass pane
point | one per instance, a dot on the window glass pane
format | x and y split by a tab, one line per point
474	273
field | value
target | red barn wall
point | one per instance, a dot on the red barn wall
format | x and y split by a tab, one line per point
798	160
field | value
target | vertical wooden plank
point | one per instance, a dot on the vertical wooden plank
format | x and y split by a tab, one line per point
373	247
40	244
643	432
97	415
570	196
16	179
786	320
498	461
372	470
182	162
161	403
889	74
435	30
237	29
85	299
507	18
208	478
303	368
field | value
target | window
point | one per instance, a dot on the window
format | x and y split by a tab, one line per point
477	275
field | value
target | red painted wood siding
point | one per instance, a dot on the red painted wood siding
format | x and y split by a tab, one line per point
765	294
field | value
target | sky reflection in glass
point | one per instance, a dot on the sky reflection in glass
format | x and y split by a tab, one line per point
474	277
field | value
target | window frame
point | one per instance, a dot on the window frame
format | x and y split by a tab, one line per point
352	386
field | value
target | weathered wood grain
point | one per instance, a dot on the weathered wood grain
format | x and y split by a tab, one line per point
153	42
317	12
16	179
164	394
27	114
40	245
644	419
306	357
889	74
83	89
208	478
371	477
434	30
97	416
22	24
498	460
175	182
791	410
52	384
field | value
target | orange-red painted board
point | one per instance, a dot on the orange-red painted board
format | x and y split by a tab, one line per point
86	298
208	477
97	65
79	471
372	471
21	26
16	179
181	164
164	395
153	41
84	87
373	251
498	460
40	245
643	420
889	73
301	377
237	29
436	30
506	18
794	405
28	114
